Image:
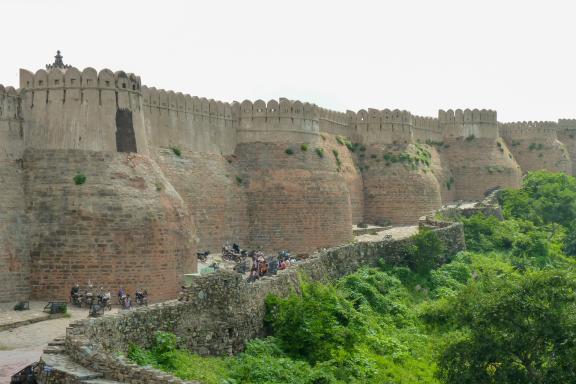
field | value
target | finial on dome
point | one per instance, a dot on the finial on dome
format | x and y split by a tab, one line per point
58	63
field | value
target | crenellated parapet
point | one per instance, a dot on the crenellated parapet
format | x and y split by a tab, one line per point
188	122
567	124
276	121
68	108
529	130
468	123
381	126
9	103
335	123
71	85
426	129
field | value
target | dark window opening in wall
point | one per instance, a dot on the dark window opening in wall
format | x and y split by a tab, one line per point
124	85
134	87
125	136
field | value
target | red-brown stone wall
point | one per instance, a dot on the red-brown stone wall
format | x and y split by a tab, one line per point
440	168
351	173
535	154
396	191
212	191
479	165
298	201
568	138
126	226
14	247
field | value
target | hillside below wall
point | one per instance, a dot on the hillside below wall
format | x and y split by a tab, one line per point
220	312
126	226
297	201
479	165
209	186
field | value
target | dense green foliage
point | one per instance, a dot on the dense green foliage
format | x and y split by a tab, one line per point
502	312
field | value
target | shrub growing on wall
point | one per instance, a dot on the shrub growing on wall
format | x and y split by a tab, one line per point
79	179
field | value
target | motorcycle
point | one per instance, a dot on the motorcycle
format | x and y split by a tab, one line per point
141	298
104	301
88	299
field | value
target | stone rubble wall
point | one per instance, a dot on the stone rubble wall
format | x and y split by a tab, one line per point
218	313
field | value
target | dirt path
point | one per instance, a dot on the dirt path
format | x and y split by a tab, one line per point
22	346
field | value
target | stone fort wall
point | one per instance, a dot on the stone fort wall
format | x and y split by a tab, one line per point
567	136
275	174
535	146
14	245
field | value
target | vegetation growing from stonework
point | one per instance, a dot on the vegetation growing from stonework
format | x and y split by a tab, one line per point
79	179
504	311
176	151
536	147
422	157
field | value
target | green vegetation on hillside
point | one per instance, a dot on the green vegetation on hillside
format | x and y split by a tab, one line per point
502	312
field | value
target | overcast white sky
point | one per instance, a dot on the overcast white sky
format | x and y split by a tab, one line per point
518	57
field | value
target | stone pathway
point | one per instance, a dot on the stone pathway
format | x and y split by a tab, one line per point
397	233
22	346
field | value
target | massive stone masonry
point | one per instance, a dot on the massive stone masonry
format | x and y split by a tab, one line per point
167	174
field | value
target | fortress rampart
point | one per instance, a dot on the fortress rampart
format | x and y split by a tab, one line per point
535	145
281	174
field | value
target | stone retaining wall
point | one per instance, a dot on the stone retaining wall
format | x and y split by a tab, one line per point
218	313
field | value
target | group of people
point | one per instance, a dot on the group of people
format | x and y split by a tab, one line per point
125	301
89	297
261	266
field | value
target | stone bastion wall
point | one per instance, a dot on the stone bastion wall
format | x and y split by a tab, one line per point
536	145
218	313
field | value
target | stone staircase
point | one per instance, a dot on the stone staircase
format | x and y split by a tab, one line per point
67	370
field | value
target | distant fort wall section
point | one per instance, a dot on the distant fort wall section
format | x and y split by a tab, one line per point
535	146
468	123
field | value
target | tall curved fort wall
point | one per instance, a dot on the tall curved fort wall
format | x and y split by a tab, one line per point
169	174
536	146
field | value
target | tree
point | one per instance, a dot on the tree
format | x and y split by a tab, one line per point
518	329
